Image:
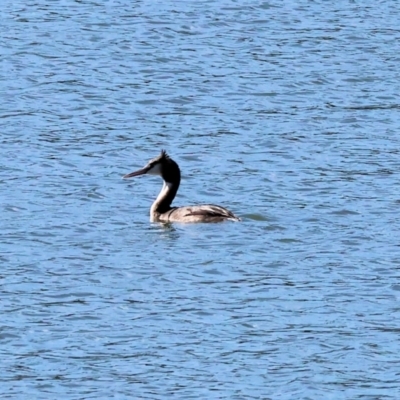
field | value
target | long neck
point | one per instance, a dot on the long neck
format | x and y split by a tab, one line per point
171	175
167	194
163	201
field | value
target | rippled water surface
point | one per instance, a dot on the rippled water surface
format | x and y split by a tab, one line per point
285	112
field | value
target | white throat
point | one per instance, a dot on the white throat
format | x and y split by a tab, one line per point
156	170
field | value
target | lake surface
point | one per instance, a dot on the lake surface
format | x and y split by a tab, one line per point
286	113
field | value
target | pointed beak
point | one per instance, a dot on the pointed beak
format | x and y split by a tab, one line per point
137	173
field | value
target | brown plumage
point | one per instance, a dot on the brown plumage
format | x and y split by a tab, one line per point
161	210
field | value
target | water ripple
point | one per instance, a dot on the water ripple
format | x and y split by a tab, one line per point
286	113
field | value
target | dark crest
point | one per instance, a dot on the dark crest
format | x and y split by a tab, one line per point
164	155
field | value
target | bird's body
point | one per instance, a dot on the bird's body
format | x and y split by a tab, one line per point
161	210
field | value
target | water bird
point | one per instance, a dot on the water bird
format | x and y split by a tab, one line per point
162	211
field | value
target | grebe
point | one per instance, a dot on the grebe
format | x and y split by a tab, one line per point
161	210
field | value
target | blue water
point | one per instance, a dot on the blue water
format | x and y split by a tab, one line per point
286	113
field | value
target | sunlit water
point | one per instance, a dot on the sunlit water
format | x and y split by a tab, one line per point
287	113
